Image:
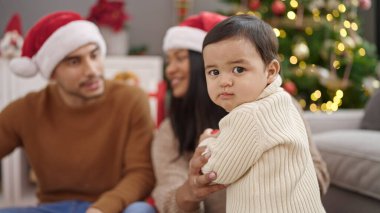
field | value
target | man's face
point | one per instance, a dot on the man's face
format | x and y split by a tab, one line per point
79	75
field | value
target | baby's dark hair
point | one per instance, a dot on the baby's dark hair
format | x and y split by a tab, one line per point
258	32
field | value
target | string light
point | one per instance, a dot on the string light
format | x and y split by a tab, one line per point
315	95
323	107
336	64
318	94
309	31
291	15
328	105
342	8
354	26
341	47
334	107
313	107
294	3
316	15
347	24
336	99
343	32
277	32
335	13
316	12
293	60
355	3
339	93
251	13
302	65
302	102
362	52
329	17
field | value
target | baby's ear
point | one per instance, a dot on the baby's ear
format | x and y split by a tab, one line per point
273	69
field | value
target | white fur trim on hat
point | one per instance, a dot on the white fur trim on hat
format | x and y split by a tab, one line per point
62	42
184	37
23	67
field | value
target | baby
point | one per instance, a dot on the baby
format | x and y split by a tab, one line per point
262	150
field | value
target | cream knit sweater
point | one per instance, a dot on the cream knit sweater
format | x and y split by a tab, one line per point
262	151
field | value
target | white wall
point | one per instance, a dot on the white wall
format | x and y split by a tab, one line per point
150	18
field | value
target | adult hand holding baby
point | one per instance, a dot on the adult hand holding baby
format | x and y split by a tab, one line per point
198	186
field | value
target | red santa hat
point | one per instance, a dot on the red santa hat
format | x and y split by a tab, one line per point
51	39
191	32
14	24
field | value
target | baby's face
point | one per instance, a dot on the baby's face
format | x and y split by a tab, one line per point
235	72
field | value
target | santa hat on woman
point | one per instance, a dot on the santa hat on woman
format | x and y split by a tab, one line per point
51	39
191	32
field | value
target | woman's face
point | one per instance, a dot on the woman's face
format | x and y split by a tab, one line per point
178	71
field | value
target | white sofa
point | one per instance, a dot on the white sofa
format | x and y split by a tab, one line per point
352	156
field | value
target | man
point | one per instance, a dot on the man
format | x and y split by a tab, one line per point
87	139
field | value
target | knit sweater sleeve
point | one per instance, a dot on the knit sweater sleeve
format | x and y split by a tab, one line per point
236	149
138	179
170	169
10	122
319	164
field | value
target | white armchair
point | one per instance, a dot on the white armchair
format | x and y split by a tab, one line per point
352	156
342	119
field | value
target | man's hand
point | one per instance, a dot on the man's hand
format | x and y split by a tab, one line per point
93	210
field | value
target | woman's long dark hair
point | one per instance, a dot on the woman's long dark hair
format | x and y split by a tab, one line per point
192	114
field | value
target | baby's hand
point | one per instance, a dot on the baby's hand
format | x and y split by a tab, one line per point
209	133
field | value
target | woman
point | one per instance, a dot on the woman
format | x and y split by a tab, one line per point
177	163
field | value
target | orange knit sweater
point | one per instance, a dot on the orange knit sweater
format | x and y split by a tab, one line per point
98	153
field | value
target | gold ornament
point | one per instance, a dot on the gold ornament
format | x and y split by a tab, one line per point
301	50
127	77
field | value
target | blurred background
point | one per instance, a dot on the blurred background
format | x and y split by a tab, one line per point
328	48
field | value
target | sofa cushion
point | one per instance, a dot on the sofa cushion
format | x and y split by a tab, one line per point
353	159
371	119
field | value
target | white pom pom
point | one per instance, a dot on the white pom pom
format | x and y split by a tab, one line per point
23	67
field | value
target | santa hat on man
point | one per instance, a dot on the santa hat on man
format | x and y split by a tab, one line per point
191	32
51	39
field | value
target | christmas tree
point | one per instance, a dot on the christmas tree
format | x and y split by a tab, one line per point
326	64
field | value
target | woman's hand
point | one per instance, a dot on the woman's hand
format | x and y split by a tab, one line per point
198	186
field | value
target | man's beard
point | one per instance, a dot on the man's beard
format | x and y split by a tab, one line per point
82	96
